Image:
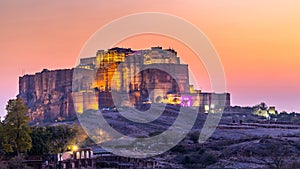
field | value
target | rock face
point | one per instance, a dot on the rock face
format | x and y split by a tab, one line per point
47	95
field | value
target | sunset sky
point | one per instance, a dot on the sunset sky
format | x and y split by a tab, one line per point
258	41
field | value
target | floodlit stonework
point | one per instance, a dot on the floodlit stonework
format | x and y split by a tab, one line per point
144	75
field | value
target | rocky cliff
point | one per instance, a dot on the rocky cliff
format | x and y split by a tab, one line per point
47	95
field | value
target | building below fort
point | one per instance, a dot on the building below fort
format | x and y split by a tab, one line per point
147	76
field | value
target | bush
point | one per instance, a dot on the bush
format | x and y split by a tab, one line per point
202	160
17	163
195	136
178	148
201	151
298	146
186	160
208	159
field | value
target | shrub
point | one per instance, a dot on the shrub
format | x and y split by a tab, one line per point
201	151
178	148
186	160
195	136
17	163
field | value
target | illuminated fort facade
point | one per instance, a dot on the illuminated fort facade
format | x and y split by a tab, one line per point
147	76
118	76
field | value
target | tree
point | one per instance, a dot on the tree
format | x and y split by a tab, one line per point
52	139
195	136
62	137
16	131
41	141
276	153
2	152
261	106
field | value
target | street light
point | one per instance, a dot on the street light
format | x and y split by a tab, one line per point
74	148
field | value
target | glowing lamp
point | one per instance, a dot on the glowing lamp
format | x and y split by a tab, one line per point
74	148
206	107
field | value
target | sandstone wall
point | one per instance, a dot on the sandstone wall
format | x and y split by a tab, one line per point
47	95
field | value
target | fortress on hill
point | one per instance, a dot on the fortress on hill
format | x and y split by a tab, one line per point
150	76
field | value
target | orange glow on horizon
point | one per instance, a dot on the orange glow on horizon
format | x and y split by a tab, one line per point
257	41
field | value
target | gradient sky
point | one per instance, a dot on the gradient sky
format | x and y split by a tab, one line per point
258	41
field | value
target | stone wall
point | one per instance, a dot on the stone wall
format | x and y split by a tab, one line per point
47	95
